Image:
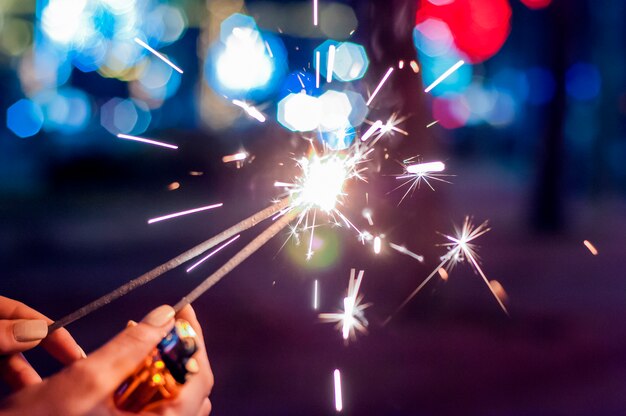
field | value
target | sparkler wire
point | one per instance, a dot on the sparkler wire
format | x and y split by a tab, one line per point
237	259
169	265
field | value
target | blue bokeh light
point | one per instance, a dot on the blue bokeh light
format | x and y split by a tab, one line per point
583	81
541	85
25	118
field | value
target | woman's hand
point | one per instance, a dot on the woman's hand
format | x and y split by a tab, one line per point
87	386
23	328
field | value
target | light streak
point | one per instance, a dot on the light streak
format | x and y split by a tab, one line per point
317	68
180	214
432	124
460	248
158	55
591	247
414	67
406	251
445	75
352	319
149	141
401	64
269	50
377	245
380	85
316	296
237	157
251	110
315	12
338	396
373	129
330	65
211	254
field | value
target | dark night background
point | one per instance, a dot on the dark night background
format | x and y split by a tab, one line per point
73	210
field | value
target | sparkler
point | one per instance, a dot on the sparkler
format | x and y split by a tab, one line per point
169	265
158	55
445	75
380	85
182	213
460	248
149	141
352	319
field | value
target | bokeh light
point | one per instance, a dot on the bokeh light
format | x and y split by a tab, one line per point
351	62
299	112
583	81
479	27
536	4
24	118
541	85
336	109
126	116
452	111
245	64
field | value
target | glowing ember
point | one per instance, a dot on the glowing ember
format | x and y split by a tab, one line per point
237	157
591	247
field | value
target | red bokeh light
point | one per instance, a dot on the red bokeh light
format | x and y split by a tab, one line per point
536	4
479	27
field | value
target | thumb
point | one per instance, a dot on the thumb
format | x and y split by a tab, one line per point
103	370
21	334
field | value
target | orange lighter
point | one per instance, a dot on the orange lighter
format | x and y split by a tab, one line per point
163	372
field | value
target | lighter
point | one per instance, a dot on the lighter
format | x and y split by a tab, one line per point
163	372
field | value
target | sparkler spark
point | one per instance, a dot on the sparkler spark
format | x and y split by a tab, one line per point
237	157
432	124
460	249
315	12
373	129
316	296
415	173
406	251
158	55
377	245
352	319
144	140
250	110
380	85
317	68
338	396
180	214
331	63
211	254
445	75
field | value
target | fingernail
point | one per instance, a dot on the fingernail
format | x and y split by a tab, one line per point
160	316
82	352
192	366
30	330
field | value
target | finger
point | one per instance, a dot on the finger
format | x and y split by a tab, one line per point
206	407
199	385
17	372
59	344
21	335
106	368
